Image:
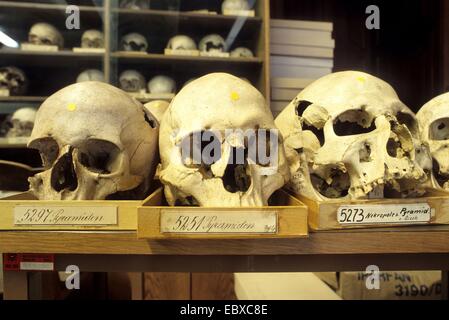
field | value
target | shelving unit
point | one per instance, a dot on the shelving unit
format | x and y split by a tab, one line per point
61	68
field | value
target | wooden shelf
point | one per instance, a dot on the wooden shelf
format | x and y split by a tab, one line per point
63	58
30	6
416	240
22	99
13	143
162	58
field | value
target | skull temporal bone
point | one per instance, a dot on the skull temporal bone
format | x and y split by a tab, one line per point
95	144
45	34
210	104
357	137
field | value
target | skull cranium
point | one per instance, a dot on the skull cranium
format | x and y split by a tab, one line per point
92	39
132	81
14	80
90	75
234	5
433	120
96	142
134	42
45	34
357	140
22	122
230	175
161	84
181	42
242	52
212	43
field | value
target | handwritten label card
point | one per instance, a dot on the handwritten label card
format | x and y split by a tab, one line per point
409	213
218	222
64	216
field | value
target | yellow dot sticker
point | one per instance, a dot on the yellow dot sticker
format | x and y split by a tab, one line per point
71	107
234	96
361	79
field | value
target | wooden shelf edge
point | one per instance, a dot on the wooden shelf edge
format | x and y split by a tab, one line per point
45	6
327	243
157	56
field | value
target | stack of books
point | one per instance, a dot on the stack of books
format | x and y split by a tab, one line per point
301	52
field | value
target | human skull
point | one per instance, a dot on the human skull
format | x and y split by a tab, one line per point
235	176
212	43
96	143
433	120
234	5
157	108
135	4
181	42
90	75
22	122
134	42
161	84
132	81
92	39
358	140
14	80
242	52
45	34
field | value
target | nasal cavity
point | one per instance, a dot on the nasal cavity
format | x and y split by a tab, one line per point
63	175
235	178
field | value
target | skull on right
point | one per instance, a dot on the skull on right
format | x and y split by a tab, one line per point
434	124
348	135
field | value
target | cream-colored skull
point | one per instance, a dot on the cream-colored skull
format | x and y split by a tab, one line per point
90	75
45	34
92	39
235	5
161	84
211	105
96	142
157	108
181	42
242	52
22	122
433	120
212	43
358	140
132	81
134	42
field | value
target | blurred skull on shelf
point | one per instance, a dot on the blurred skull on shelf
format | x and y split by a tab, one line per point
132	81
135	4
14	80
161	84
45	34
134	42
90	75
242	52
181	42
92	39
22	122
212	43
234	5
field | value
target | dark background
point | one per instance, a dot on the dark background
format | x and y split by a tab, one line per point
410	51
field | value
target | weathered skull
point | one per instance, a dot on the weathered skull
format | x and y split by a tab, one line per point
134	42
242	52
132	81
358	140
161	84
90	75
181	42
230	175
234	5
96	143
157	108
22	123
135	4
433	120
92	39
212	43
45	34
14	80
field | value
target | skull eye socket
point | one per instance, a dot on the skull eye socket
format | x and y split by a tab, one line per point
353	122
409	121
48	149
201	149
439	129
99	156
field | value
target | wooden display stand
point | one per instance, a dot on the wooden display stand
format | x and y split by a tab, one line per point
287	219
375	213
